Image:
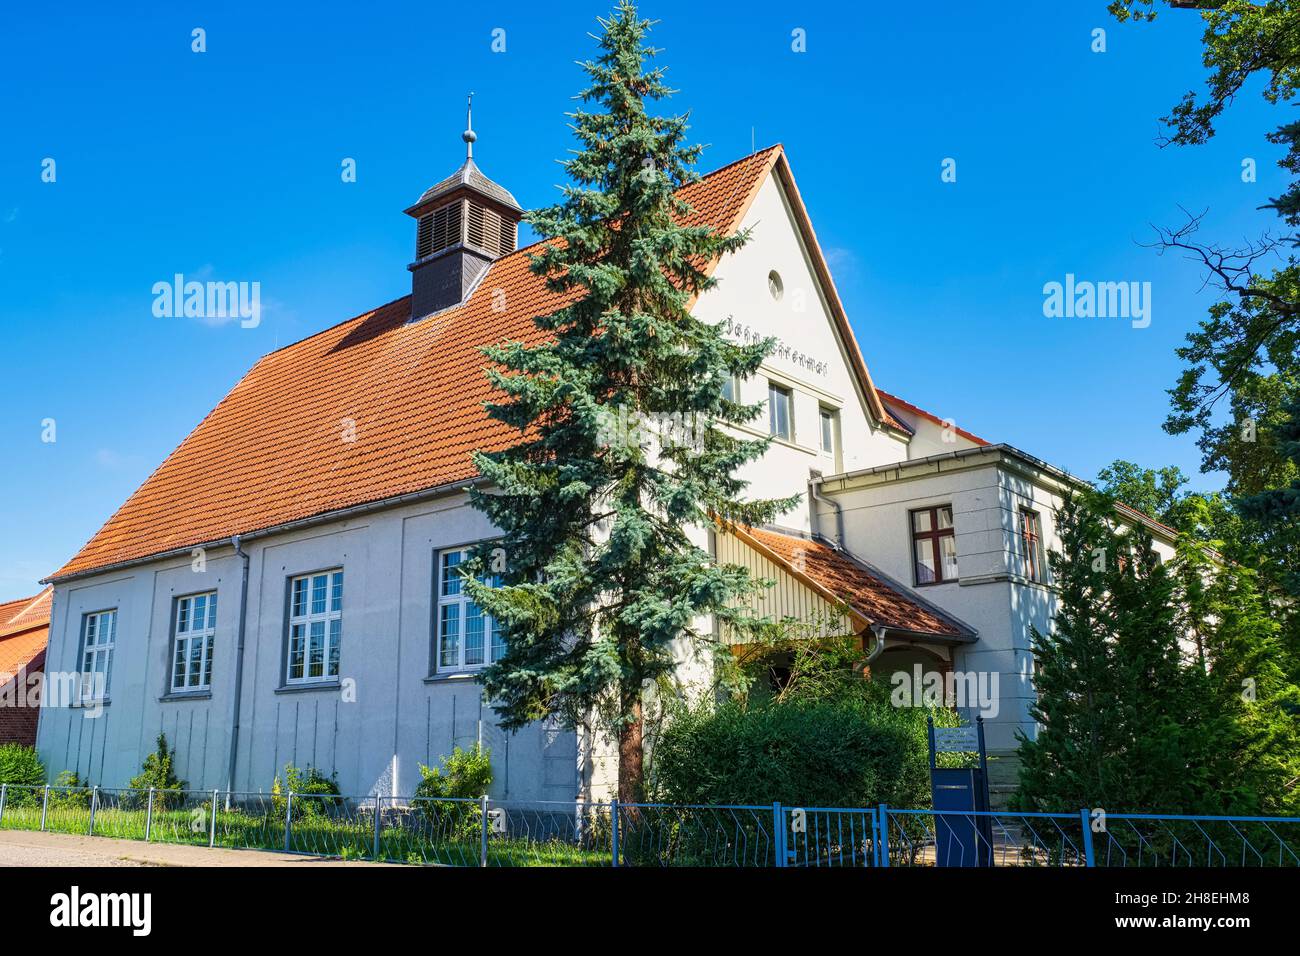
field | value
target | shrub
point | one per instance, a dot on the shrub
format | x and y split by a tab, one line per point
465	775
19	765
322	792
830	737
851	752
69	791
159	773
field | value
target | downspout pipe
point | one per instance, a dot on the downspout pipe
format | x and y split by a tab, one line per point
879	647
814	484
239	664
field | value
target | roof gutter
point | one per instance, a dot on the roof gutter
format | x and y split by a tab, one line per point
239	664
340	514
929	465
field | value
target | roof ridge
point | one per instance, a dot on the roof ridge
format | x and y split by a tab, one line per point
508	255
929	416
775	147
239	469
7	626
341	322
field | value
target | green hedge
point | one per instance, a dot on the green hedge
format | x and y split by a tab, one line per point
20	765
854	751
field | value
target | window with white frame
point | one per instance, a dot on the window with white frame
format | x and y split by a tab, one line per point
196	624
98	637
779	418
827	418
467	638
315	627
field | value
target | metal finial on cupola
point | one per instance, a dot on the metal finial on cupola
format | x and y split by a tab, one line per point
469	136
464	224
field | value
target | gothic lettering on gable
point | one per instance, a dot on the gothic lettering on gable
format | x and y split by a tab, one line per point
783	349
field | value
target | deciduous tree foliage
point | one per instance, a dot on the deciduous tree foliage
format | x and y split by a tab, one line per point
602	581
1240	387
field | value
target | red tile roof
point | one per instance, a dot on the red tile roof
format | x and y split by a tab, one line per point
273	452
26	613
839	574
906	406
20	650
24	632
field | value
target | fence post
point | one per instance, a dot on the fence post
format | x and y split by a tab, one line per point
613	828
882	850
483	827
212	824
379	812
1086	820
778	833
288	820
3	788
148	817
45	806
94	803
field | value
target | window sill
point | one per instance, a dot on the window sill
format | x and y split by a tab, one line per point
1031	582
792	444
185	695
332	685
452	676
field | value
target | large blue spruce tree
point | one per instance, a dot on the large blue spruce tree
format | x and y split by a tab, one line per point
623	447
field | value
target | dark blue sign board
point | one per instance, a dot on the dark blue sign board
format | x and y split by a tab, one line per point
960	837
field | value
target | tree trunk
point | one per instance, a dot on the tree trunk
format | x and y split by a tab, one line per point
631	756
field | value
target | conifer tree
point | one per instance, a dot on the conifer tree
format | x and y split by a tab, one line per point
1116	700
623	457
1162	687
1251	702
1067	764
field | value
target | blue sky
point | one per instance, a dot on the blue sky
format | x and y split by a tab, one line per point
226	165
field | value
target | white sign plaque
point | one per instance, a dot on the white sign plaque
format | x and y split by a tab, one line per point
956	739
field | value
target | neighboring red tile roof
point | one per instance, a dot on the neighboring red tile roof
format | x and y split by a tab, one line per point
26	613
24	632
272	451
11	609
928	416
841	575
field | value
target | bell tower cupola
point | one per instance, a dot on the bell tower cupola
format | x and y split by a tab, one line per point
463	224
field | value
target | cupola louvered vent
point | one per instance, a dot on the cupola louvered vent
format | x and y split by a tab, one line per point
490	231
464	223
438	230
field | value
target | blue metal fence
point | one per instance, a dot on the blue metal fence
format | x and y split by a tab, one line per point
485	832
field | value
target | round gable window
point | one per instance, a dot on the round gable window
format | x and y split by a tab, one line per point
774	285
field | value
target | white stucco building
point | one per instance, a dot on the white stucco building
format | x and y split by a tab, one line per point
282	589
